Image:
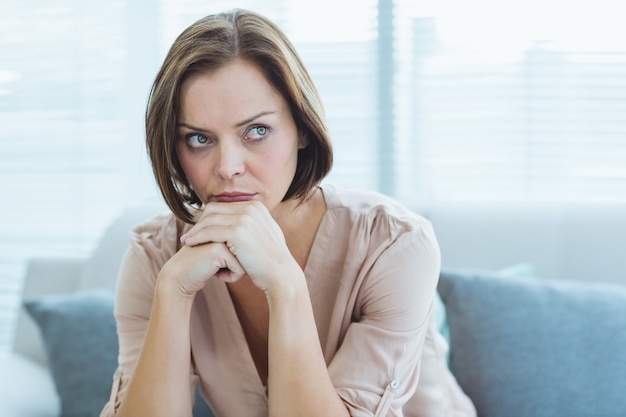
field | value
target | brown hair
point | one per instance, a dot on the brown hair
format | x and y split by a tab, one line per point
207	45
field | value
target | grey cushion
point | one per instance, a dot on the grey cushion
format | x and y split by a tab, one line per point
530	348
81	344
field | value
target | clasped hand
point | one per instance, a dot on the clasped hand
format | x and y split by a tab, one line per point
229	241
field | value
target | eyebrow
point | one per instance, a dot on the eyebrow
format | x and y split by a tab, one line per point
253	118
239	124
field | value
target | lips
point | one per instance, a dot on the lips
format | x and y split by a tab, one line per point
233	197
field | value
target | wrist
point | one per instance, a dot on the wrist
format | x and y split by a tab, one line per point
290	286
168	287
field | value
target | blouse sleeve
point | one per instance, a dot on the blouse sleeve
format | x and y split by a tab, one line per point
376	368
134	296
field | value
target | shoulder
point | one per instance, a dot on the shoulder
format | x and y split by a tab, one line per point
369	228
390	250
158	238
375	213
152	243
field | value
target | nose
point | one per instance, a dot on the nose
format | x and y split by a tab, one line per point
230	160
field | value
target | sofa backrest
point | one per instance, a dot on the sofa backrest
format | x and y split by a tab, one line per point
48	276
573	242
580	243
44	276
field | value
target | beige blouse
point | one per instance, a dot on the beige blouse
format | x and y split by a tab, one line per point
371	273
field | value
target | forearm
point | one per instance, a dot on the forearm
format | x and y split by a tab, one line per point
298	382
160	383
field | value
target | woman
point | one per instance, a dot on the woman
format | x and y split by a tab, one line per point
278	296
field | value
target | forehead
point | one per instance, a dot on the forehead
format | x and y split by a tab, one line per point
230	92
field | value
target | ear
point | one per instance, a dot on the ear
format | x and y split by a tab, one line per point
303	141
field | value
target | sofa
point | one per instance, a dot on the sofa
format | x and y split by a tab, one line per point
520	345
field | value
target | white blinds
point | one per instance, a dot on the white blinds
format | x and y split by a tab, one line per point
74	78
511	101
71	153
549	127
434	102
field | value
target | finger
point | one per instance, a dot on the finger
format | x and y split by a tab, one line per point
224	214
230	225
238	207
226	275
203	228
204	262
226	262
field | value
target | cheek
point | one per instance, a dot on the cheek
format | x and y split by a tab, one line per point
281	163
190	168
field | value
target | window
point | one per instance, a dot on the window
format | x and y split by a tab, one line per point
435	102
517	102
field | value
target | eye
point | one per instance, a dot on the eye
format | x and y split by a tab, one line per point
197	140
257	132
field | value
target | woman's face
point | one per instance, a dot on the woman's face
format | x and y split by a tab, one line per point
237	139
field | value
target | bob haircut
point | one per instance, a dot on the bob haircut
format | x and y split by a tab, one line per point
207	45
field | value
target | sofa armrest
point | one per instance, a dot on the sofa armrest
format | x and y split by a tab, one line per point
44	276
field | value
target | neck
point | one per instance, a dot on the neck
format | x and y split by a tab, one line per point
291	214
